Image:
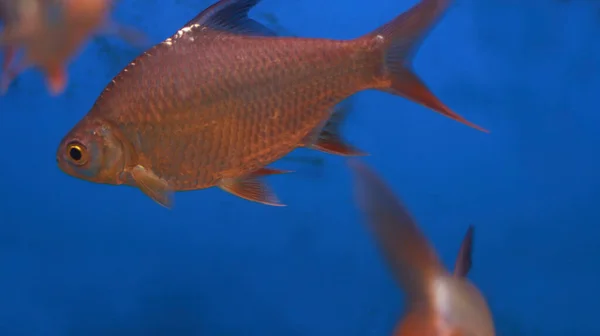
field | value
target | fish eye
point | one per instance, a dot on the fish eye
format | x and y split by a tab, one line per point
77	153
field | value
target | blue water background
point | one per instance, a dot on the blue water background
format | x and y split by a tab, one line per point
83	259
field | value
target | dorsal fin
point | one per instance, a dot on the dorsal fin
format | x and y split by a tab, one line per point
412	260
232	16
463	260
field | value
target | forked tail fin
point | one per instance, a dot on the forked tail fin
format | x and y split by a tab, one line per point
401	39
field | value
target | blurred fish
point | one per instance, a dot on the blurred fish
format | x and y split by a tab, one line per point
50	32
225	96
438	303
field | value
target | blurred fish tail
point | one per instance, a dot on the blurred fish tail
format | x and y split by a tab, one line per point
401	39
412	260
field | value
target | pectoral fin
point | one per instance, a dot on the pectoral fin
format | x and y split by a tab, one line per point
153	186
250	187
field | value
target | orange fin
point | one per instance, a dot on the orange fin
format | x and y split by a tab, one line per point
401	38
232	16
250	187
463	260
413	262
56	80
153	186
328	138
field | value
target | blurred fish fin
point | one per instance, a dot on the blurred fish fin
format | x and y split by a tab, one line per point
332	143
56	80
251	188
327	136
463	260
10	37
9	56
412	260
130	35
153	186
11	70
401	38
5	80
232	16
264	171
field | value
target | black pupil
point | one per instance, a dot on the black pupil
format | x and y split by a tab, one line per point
75	153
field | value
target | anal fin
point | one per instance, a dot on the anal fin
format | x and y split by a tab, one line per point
250	187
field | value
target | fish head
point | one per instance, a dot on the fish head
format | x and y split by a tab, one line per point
93	151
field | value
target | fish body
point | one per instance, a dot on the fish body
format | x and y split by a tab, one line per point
438	303
50	32
225	96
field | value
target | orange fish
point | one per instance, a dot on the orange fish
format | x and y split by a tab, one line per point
224	97
438	303
50	32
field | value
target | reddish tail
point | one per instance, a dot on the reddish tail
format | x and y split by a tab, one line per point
402	37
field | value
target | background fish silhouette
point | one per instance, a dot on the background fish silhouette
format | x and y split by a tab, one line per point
50	33
438	303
